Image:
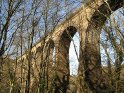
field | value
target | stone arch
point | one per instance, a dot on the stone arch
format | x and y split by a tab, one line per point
39	49
48	62
91	52
48	50
63	72
39	52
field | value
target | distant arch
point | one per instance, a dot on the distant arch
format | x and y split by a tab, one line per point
39	49
49	50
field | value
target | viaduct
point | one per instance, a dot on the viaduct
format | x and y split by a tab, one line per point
87	21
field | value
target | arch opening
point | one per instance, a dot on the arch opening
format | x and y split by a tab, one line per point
74	55
67	41
114	23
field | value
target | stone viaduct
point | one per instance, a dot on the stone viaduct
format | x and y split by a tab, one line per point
87	21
